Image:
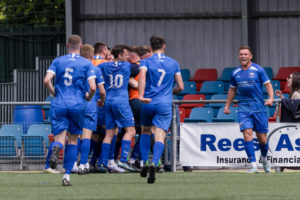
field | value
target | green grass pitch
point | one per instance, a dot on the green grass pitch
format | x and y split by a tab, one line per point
180	185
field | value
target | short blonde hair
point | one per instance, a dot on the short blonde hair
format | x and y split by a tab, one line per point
87	51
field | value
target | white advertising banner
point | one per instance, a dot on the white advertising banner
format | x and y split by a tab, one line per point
221	145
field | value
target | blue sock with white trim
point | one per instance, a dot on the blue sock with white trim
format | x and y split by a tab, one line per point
249	148
70	157
125	145
158	149
84	150
145	143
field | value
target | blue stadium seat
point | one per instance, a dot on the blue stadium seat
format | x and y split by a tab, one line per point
189	88
216	106
40	130
8	148
225	77
186	74
222	117
269	72
210	88
33	148
200	115
15	130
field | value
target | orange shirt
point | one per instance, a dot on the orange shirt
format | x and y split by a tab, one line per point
97	62
133	92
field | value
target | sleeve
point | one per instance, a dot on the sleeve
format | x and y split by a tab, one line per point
177	69
134	70
233	83
52	68
143	64
263	76
91	72
99	76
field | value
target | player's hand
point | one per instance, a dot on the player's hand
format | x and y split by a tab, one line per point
100	103
87	97
269	102
145	100
279	93
226	110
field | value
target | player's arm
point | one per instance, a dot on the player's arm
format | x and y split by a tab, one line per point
133	83
179	86
102	92
48	83
270	92
92	90
141	86
230	96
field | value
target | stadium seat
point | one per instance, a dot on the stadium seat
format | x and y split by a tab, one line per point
188	107
40	130
15	130
186	74
286	89
210	88
46	108
189	88
200	115
222	117
8	148
181	114
283	73
33	148
225	77
216	106
269	72
275	84
202	75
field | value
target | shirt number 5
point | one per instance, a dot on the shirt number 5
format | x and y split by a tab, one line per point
69	78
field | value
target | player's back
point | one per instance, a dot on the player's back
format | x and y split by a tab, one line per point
161	70
116	77
71	72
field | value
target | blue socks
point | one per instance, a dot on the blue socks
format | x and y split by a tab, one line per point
264	149
125	150
70	157
145	143
112	150
158	149
105	153
249	148
50	152
136	151
84	150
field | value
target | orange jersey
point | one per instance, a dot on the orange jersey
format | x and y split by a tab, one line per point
133	92
97	62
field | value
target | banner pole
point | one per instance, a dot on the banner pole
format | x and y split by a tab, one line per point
174	137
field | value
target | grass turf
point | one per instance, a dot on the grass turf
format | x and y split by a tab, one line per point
194	185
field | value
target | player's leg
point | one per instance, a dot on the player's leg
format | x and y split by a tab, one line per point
69	158
85	144
125	146
105	150
261	127
111	165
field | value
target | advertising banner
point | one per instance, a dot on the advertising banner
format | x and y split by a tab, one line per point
222	145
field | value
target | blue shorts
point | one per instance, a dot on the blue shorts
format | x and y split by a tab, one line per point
69	119
159	115
258	121
90	121
118	115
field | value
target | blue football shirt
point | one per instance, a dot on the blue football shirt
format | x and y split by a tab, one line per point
116	77
161	70
249	84
71	71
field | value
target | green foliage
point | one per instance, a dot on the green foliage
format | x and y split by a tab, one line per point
35	13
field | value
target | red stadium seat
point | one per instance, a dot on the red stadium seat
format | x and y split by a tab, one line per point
202	75
188	107
286	89
283	73
182	114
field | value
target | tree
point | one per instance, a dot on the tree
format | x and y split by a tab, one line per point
32	12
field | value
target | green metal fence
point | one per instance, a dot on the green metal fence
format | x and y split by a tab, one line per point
20	46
